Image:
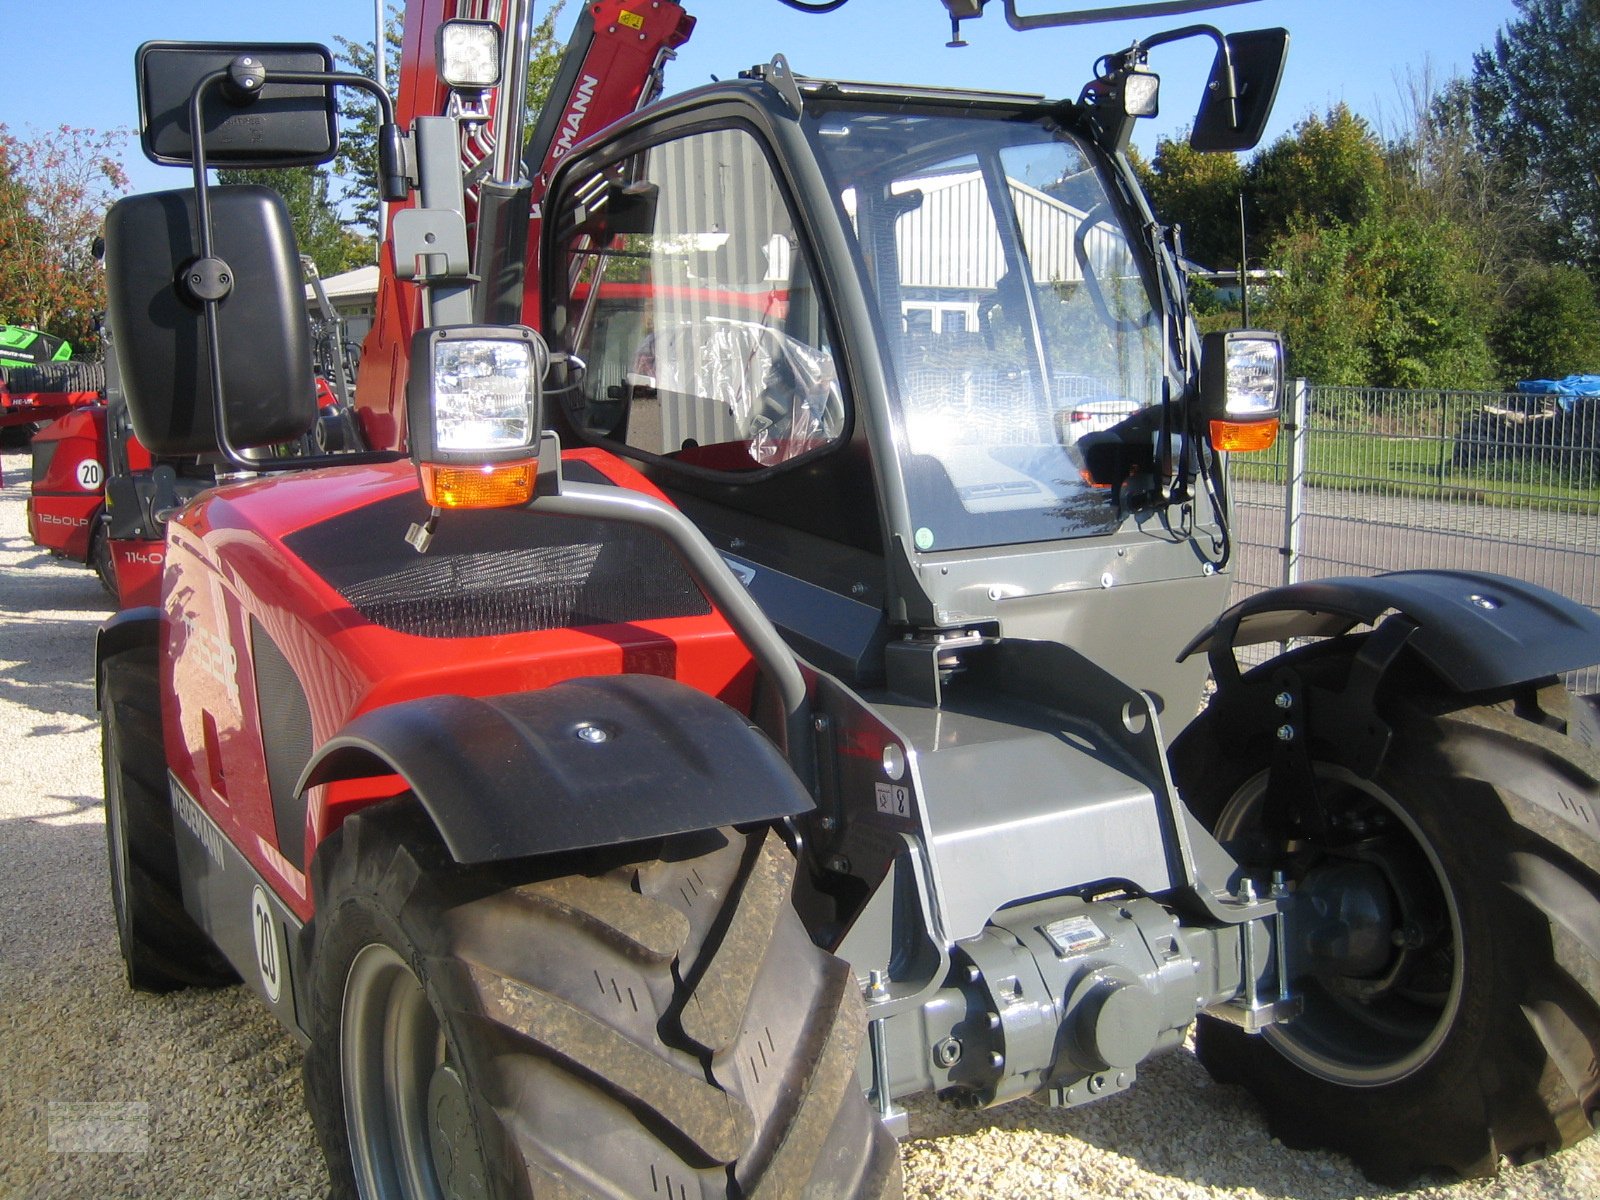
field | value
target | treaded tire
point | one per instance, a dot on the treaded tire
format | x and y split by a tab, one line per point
58	377
162	948
100	557
639	1029
1508	813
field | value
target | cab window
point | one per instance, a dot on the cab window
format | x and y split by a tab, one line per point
692	309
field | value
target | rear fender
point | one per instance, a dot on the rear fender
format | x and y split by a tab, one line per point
1476	632
579	765
130	628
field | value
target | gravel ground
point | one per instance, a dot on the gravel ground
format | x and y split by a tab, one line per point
107	1094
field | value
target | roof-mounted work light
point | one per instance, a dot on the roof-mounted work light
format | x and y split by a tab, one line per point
469	54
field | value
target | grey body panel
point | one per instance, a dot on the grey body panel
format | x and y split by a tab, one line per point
514	776
1475	631
239	912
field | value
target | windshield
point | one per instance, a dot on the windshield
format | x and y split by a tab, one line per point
1016	316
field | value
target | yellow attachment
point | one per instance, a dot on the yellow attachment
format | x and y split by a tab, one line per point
488	485
1244	437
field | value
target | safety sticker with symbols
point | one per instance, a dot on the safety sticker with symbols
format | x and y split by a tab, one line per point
894	799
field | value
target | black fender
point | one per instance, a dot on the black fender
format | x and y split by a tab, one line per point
1477	632
129	628
579	765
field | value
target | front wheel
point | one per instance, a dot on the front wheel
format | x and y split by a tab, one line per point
1450	949
644	1028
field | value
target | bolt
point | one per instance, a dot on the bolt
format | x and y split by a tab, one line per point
1283	700
1286	733
947	1053
973	974
877	984
1247	890
997	1061
592	734
1097	1083
858	589
820	724
993	1021
839	864
829	824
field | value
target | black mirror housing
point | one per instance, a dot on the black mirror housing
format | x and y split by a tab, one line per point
1233	125
281	125
159	327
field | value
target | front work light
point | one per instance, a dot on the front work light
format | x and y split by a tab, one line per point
475	411
1241	388
469	54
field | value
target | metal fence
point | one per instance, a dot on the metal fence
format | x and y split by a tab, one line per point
1373	479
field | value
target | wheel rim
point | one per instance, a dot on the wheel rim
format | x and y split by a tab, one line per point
407	1111
1366	1032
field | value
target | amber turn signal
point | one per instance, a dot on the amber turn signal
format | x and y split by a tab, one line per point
487	485
1243	437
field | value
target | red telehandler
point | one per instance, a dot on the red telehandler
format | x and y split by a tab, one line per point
730	693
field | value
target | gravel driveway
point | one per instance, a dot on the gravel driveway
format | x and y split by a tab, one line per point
106	1094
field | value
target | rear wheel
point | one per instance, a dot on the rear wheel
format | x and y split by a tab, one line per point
648	1028
100	558
162	948
1451	961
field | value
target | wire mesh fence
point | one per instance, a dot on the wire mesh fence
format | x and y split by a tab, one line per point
1374	479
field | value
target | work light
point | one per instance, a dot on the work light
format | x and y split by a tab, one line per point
469	54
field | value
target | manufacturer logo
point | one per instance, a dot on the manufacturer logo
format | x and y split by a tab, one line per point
572	122
196	821
91	475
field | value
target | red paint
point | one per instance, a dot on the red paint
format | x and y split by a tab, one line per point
227	563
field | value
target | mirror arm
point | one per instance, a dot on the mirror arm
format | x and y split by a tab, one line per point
209	279
1230	86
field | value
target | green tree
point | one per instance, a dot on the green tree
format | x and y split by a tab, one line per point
1331	169
55	188
1386	302
1200	192
1550	326
1535	97
318	228
358	153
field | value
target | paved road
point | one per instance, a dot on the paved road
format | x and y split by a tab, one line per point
1345	532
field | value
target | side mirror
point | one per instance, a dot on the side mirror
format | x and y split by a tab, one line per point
247	122
154	278
1236	104
1241	388
475	413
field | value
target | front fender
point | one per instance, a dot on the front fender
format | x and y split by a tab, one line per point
1476	632
578	765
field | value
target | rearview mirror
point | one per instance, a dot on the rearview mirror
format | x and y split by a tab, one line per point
1233	118
281	125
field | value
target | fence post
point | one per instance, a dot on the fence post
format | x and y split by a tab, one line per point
1294	491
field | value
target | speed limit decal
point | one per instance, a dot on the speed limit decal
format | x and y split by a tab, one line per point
269	950
91	475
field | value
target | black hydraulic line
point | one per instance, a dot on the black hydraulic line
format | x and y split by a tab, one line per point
815	6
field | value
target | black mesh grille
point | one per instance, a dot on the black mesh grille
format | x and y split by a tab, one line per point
496	572
285	740
43	452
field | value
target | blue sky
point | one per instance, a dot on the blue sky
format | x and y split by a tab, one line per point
72	62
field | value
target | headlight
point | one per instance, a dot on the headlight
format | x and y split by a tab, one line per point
469	54
475	410
1241	387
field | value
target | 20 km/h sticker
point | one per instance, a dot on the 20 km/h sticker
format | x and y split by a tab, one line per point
91	475
269	958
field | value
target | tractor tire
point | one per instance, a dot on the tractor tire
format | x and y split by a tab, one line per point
100	557
1475	1031
162	948
638	1029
